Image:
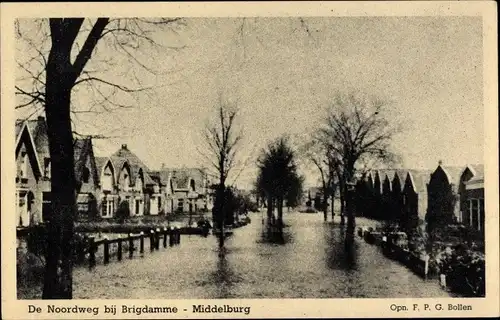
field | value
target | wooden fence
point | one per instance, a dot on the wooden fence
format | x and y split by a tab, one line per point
88	251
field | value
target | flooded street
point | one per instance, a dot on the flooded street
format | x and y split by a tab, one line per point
311	264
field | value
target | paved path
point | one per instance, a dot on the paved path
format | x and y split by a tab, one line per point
311	264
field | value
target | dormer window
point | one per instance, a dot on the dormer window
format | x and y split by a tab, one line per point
107	180
23	167
192	184
138	184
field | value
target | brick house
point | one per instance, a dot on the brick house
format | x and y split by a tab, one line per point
167	201
28	175
191	189
135	186
87	179
38	129
470	172
471	195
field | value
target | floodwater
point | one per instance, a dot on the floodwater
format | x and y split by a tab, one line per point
311	263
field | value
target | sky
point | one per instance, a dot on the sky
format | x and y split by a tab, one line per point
282	72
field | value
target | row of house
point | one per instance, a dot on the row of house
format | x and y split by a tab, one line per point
441	196
120	184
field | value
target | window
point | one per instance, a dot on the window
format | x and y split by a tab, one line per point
85	175
138	207
107	207
23	167
138	184
475	213
125	182
180	205
46	167
468	213
107	180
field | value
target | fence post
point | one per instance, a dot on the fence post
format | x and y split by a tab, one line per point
426	265
130	246
178	236
171	235
157	240
442	280
152	240
141	248
175	235
119	253
106	250
164	237
92	250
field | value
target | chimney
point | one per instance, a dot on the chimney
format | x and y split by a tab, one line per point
440	162
124	146
163	166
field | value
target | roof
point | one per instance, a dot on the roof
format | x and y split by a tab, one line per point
477	170
100	163
19	126
125	155
38	129
419	179
82	150
22	130
401	174
453	174
181	177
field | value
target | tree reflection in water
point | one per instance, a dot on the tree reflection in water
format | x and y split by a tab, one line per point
223	276
340	252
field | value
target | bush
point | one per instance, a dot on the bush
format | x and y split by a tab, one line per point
465	272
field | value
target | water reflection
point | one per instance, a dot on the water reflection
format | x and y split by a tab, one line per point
276	235
340	254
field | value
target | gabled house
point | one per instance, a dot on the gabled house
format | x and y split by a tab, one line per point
28	175
191	188
442	191
87	178
108	189
38	129
388	210
397	185
135	186
472	178
166	201
415	196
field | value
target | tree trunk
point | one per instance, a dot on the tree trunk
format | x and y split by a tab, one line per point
325	206
342	207
269	209
280	211
58	271
333	205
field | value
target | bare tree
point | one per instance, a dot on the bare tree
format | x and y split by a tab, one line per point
222	140
356	131
62	56
317	153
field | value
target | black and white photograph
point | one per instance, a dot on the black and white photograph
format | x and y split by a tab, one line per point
223	157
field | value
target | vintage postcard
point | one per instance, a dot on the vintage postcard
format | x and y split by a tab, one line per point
249	160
